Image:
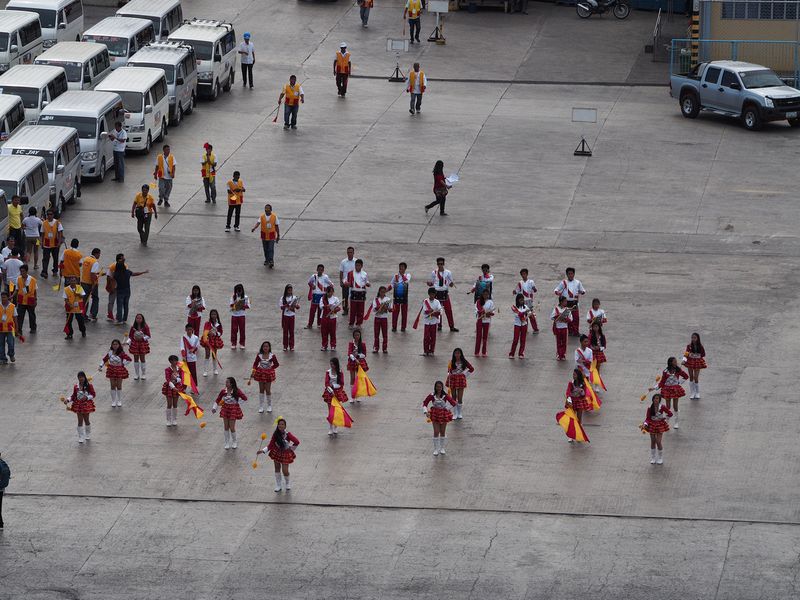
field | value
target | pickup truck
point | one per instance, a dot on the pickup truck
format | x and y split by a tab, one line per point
753	93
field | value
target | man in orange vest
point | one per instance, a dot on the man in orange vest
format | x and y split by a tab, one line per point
235	201
413	10
270	234
293	92
143	210
52	236
341	69
71	260
26	299
74	296
8	328
365	6
416	87
90	281
164	173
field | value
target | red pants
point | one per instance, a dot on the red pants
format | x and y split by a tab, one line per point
520	331
195	323
575	324
356	312
192	366
429	339
397	309
287	323
328	329
314	311
481	336
448	311
534	326
237	326
561	341
380	326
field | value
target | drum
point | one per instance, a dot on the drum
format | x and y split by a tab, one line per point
401	293
442	295
358	295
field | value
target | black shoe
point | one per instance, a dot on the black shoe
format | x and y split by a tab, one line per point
166	203
426	210
43	274
294	126
411	110
266	262
439	328
394	329
417	38
208	200
271	264
454	330
83	334
160	201
442	214
68	337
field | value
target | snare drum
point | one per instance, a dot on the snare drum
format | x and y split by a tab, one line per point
401	293
358	295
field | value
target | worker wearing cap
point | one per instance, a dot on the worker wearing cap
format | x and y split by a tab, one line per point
247	53
341	69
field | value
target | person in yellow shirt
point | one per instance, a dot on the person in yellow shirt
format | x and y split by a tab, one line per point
143	209
235	201
74	296
26	299
293	92
15	222
71	260
208	170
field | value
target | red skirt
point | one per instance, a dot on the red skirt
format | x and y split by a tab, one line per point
171	393
696	363
212	342
456	381
581	403
340	394
264	375
659	426
116	372
672	391
231	411
139	347
285	457
83	406
440	415
352	365
600	357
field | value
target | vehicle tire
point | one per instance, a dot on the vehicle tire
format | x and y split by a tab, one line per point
148	144
229	83
794	122
178	115
164	129
62	204
621	10
690	105
751	118
583	11
191	105
101	175
215	91
77	38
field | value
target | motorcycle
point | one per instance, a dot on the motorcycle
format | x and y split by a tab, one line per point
619	8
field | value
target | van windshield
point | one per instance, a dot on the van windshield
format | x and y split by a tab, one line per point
30	96
117	46
86	126
132	101
74	69
9	187
202	50
48	156
156	21
46	17
169	70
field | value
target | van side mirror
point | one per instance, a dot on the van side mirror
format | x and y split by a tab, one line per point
217	58
60	169
62	25
148	109
179	81
45	103
103	135
14	49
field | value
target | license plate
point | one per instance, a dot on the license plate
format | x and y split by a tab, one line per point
791	115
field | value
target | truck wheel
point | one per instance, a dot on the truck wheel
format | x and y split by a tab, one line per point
794	122
690	107
751	119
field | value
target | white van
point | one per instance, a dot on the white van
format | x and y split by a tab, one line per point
144	94
12	115
20	38
166	15
37	85
123	36
86	64
180	67
61	20
26	177
214	44
61	151
93	114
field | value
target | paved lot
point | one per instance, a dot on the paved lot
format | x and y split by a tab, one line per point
677	225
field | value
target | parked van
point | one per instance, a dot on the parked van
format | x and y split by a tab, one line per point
20	38
37	85
93	114
166	15
12	115
144	95
123	36
214	44
61	20
86	64
61	151
26	177
180	67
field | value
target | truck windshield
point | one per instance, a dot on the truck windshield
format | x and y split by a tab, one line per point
86	126
760	79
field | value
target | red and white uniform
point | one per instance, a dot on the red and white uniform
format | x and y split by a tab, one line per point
399	300
560	328
593	314
115	365
212	336
230	404
527	288
656	422
329	311
457	374
437	408
695	360
521	316
484	311
284	453
173	383
598	345
334	386
357	286
288	306
576	396
239	307
381	309
140	340
82	401
356	357
442	281
572	291
264	367
194	308
431	317
317	284
670	384
583	360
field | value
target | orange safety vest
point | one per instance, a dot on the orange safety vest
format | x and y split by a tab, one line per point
160	165
50	233
268	231
86	268
7	318
367	3
235	193
143	202
414	9
26	296
74	300
343	62
412	81
292	94
71	261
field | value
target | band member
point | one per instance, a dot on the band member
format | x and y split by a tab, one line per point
139	346
521	312
264	373
356	356
458	369
229	399
115	360
399	285
357	283
317	284
190	344
382	307
584	357
695	358
576	396
345	267
329	308
171	388
431	317
442	280
527	287
484	282
239	305
334	386
211	341
670	385
596	313
655	423
74	297
484	311
571	289
281	450
436	408
81	402
597	342
194	306
561	317
288	304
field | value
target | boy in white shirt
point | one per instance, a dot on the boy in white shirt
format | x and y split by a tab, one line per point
527	287
317	284
190	344
431	316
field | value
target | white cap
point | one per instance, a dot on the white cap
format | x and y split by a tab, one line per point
342	45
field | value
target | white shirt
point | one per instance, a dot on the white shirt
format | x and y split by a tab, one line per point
526	289
441	281
405	277
488	307
420	79
167	174
570	290
11	268
265	362
333	377
485	279
346	266
583	360
5	253
333	302
287	305
247	59
557	312
32	226
202	303
430	306
239	313
319	283
120	139
520	318
378	302
190	345
593	314
360	280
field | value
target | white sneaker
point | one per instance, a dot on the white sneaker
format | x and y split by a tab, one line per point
216	372
570	440
205	373
261	409
135	376
436	446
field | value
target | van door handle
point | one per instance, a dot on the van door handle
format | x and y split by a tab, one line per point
721	89
705	85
